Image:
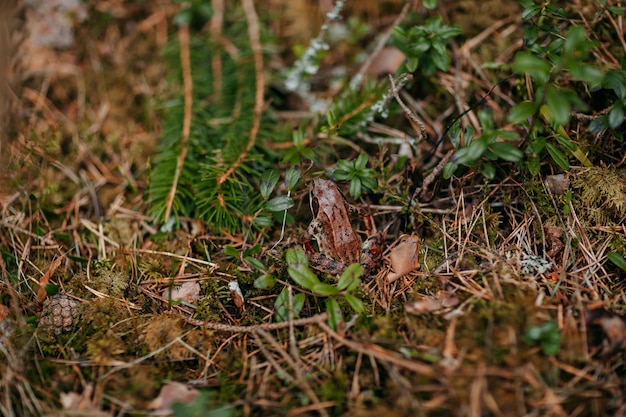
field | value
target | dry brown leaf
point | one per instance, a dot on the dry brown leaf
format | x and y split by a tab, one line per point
188	292
404	257
432	303
173	392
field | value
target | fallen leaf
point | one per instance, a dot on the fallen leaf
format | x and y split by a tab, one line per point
404	257
173	392
432	303
188	292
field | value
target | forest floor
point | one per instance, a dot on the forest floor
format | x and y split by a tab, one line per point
499	289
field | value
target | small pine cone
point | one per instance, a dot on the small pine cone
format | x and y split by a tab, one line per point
59	314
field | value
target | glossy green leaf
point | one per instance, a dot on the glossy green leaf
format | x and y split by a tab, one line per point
355	303
334	313
265	281
303	276
558	156
616	115
522	111
296	256
255	263
559	105
324	289
488	171
576	40
506	151
449	169
430	4
292	176
231	251
350	276
617	259
537	68
617	81
269	179
280	203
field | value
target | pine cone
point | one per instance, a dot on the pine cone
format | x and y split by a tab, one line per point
59	314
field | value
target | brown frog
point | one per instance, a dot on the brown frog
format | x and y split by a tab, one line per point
339	244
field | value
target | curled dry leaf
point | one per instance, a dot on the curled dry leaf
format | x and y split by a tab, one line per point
173	392
432	303
237	295
188	292
404	257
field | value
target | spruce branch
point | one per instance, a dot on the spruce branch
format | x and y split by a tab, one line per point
253	33
183	37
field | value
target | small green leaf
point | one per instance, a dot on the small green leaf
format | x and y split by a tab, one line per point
559	106
303	276
350	277
616	115
324	289
506	151
534	165
537	68
576	40
296	256
591	75
617	81
567	143
598	125
231	251
430	4
268	182
530	12
522	111
298	138
334	313
469	155
255	263
361	161
488	171
617	259
411	64
355	303
558	156
265	281
355	188
449	169
51	289
281	305
262	221
292	176
280	203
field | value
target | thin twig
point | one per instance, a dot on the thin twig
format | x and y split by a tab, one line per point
417	124
251	329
